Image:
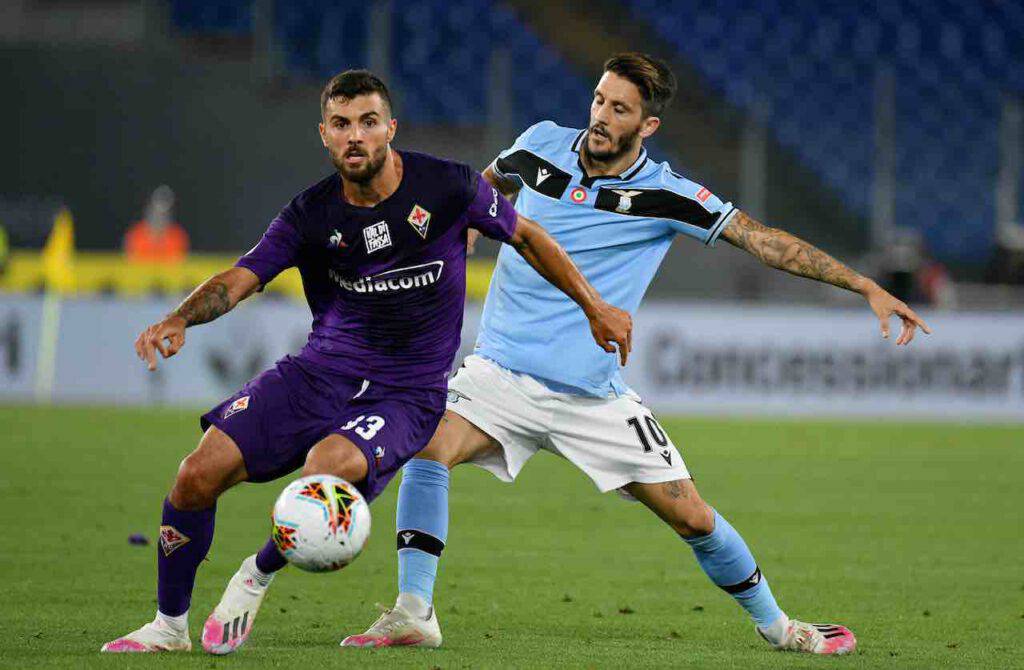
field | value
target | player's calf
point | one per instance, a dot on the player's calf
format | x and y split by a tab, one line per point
678	504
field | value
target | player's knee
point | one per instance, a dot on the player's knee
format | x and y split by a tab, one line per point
694	519
455	441
196	486
337	457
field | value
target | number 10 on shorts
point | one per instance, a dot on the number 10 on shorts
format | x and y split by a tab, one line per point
653	427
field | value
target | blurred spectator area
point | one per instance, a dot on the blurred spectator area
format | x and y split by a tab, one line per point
893	114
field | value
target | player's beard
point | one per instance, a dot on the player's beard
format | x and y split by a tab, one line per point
619	146
364	173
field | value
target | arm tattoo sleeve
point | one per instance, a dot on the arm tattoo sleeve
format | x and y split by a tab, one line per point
788	252
206	303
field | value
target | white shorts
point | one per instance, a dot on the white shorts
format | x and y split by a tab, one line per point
614	441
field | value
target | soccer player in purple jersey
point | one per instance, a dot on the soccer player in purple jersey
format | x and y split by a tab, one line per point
381	247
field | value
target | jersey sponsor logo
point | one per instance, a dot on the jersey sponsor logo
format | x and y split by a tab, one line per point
377	237
703	194
400	279
625	199
237	406
419	219
171	539
657	203
336	240
578	195
536	173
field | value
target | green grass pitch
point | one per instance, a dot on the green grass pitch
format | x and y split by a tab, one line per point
911	534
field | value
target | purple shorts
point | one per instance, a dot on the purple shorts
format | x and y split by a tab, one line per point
280	414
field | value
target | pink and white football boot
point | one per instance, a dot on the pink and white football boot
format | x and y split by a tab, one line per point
815	638
155	636
228	626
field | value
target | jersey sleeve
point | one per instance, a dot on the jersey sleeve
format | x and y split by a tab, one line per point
702	215
277	250
501	166
489	211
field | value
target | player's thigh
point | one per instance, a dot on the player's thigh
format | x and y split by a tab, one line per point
212	468
456	440
336	455
506	407
678	504
614	441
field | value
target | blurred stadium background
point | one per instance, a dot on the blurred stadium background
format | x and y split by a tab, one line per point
147	143
890	134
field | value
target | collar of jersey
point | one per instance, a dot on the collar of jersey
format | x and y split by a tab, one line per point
627	174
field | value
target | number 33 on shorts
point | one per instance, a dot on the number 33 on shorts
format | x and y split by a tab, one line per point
365	427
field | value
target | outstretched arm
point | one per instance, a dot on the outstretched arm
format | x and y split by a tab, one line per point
215	297
782	250
607	323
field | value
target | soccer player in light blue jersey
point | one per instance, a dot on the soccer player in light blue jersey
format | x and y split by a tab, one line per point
537	382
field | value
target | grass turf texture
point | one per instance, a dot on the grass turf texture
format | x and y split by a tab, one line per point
911	534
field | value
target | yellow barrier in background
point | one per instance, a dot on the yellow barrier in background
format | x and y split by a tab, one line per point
97	272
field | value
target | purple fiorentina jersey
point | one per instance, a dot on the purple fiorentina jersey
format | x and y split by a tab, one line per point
386	284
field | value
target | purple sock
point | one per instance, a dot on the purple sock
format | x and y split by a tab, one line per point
270	559
185	539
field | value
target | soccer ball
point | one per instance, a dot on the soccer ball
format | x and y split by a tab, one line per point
321	523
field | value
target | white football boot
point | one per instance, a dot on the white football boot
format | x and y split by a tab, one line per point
228	627
815	638
155	636
398	627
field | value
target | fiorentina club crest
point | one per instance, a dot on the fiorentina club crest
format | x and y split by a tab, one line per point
171	539
420	219
237	406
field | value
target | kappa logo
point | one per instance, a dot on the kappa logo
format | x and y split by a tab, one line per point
625	199
171	539
407	537
237	406
419	218
336	240
542	174
377	237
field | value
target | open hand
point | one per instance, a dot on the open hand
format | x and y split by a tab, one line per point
610	324
167	337
884	305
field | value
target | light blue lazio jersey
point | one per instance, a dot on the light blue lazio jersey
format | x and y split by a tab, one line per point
616	228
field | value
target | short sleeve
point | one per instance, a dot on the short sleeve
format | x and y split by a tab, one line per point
489	211
277	250
704	215
502	167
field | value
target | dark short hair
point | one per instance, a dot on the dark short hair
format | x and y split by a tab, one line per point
651	75
352	83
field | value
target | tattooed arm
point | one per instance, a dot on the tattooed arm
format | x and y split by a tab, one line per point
211	299
785	251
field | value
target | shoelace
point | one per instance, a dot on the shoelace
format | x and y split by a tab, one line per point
383	624
806	637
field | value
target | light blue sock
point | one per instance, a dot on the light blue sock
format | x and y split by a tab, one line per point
422	522
725	558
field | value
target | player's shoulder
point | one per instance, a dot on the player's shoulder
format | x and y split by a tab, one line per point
664	177
548	137
307	201
439	174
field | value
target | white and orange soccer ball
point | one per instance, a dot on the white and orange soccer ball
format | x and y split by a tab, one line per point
321	523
